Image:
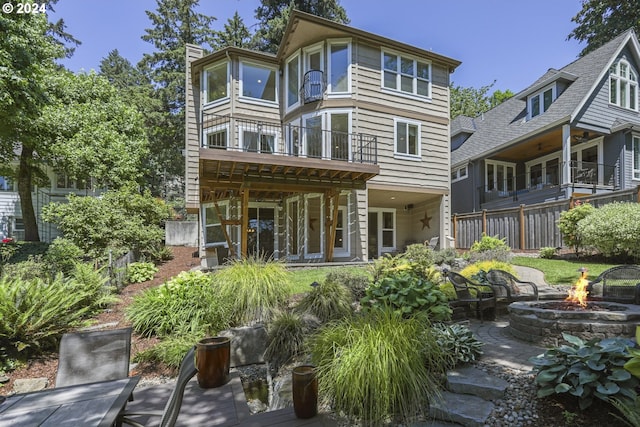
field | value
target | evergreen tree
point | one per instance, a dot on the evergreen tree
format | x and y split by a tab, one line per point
273	15
174	24
235	34
600	21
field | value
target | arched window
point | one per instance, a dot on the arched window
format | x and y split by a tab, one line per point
623	85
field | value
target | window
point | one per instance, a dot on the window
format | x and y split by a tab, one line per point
258	82
258	142
623	85
339	124
314	226
64	182
313	136
406	74
216	138
541	101
459	174
293	228
6	183
216	82
339	66
499	176
213	234
636	157
293	81
407	138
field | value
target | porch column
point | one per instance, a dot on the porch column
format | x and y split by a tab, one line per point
566	154
244	227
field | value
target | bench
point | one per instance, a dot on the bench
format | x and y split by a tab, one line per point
617	284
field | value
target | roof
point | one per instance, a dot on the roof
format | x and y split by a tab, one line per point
506	124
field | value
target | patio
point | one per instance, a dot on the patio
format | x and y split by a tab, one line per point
221	406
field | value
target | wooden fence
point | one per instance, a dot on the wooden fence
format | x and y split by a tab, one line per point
527	227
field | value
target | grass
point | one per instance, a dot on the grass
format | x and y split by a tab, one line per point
302	278
561	271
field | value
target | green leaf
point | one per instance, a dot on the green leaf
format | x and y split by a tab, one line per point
608	388
587	377
545	391
596	365
573	339
545	376
562	388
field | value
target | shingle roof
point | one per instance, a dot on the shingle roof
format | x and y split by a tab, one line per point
506	124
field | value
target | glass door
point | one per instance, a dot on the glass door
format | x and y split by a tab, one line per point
261	233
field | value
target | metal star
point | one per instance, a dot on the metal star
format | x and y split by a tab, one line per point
425	220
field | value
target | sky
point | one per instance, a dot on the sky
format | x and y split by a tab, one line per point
511	42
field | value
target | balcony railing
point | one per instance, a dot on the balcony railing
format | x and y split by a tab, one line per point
582	174
313	86
235	134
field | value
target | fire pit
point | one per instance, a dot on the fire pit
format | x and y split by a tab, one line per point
543	322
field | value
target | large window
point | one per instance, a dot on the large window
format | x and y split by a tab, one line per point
293	81
216	137
6	183
623	85
258	142
407	138
258	82
406	74
339	124
216	82
339	64
213	234
499	176
636	157
541	101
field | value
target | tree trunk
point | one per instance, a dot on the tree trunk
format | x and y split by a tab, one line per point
24	190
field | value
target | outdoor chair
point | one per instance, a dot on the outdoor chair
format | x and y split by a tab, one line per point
469	293
432	243
617	284
88	357
508	287
171	410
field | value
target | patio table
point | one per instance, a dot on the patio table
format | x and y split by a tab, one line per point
86	405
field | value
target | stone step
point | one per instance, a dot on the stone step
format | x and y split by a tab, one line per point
470	380
464	409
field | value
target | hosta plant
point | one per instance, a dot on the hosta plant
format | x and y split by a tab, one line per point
586	369
138	272
458	343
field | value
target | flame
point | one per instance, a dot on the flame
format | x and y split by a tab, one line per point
579	291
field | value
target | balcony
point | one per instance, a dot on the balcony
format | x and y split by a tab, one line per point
313	86
546	184
237	152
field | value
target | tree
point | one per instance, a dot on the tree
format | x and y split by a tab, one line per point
273	15
600	21
174	24
471	102
235	34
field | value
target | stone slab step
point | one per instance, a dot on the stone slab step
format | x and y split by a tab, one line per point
470	380
464	409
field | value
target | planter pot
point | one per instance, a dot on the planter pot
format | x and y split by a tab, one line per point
212	361
305	391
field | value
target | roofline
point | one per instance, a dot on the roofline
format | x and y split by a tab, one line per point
546	82
605	70
232	50
298	15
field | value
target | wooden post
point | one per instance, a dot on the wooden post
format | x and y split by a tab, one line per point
244	227
522	240
331	219
638	194
484	221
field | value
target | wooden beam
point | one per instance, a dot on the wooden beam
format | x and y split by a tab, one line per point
224	229
244	228
332	198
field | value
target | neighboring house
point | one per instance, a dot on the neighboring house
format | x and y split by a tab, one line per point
11	224
575	131
334	149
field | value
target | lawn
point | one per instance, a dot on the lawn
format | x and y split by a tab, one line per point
302	278
561	271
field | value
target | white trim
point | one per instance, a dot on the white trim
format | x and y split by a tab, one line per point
615	75
290	225
494	182
241	134
303	138
205	86
320	223
539	95
310	50
224	208
328	120
635	173
407	155
330	92
397	90
215	129
457	171
379	211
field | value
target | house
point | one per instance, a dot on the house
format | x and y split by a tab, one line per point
334	149
60	186
574	132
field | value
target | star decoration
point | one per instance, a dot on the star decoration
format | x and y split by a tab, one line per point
425	221
312	222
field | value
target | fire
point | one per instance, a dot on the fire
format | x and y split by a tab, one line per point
579	291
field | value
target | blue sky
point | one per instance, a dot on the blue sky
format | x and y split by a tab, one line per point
510	41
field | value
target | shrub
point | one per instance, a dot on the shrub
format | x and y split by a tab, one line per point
613	230
327	301
62	255
138	272
185	305
285	338
586	370
408	293
445	256
24	250
568	225
419	254
32	268
34	314
357	282
548	252
378	365
457	343
255	287
169	351
474	271
489	248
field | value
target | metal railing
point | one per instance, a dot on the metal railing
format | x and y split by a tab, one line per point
236	134
313	86
582	173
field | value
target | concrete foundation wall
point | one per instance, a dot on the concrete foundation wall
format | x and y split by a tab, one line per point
181	233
